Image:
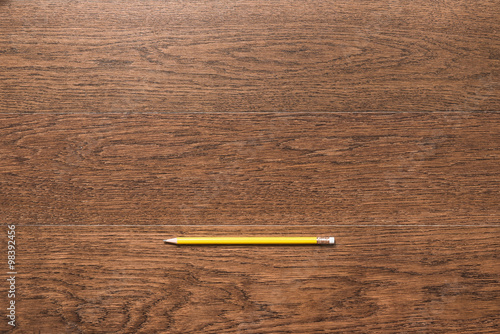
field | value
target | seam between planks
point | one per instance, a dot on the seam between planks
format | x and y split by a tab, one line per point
249	112
258	225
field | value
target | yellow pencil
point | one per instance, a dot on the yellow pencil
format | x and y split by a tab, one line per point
251	241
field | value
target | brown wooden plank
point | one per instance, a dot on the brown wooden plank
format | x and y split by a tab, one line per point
376	279
410	168
252	55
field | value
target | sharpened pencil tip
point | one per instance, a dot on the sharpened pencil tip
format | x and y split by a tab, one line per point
171	241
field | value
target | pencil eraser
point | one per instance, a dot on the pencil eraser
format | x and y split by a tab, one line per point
331	240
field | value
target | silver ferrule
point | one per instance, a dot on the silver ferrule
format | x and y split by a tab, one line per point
325	240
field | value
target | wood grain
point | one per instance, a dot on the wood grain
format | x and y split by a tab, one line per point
126	122
382	169
252	55
376	279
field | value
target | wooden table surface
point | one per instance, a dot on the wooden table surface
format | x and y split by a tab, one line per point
123	123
